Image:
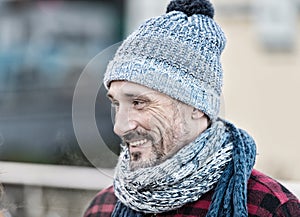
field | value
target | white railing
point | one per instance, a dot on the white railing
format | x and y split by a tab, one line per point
73	177
56	176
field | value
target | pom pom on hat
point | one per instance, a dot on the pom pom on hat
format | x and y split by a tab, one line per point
190	7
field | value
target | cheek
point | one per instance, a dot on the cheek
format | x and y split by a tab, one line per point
145	120
159	119
162	128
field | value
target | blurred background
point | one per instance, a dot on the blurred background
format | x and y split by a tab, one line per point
45	45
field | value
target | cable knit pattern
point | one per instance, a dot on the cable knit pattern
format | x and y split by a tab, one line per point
230	198
189	174
183	178
176	54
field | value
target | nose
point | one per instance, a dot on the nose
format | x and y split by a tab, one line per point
124	122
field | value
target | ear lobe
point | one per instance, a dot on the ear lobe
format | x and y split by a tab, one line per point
197	114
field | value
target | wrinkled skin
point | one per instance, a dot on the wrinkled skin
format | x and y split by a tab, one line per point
153	125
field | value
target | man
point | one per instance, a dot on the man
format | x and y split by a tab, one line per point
178	158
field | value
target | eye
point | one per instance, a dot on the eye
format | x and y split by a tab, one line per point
139	104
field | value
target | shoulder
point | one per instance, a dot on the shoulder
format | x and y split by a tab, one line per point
267	197
104	203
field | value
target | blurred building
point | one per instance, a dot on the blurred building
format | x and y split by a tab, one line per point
44	46
262	78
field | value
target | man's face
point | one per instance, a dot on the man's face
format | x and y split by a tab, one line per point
152	125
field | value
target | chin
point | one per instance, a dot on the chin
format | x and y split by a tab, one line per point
140	160
138	164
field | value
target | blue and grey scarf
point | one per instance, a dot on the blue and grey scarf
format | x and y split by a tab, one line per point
222	157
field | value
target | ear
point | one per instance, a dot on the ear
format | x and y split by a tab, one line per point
197	114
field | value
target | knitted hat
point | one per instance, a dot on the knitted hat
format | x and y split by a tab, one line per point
178	54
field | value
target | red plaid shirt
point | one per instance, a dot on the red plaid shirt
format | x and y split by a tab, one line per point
266	197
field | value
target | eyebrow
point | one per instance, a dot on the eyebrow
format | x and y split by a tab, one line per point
128	95
108	95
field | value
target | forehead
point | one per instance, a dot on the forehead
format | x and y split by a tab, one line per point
129	88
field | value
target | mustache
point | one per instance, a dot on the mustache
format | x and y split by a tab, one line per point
136	135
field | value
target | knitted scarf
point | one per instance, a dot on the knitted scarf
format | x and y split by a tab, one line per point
221	157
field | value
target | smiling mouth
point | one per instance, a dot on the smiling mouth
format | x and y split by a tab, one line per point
135	149
137	143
